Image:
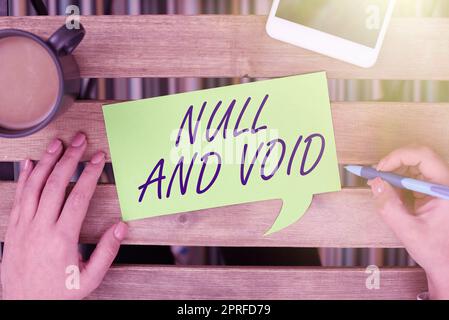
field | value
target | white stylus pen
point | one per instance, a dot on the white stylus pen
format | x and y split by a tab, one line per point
431	189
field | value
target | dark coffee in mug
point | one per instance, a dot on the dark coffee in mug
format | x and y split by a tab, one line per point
29	83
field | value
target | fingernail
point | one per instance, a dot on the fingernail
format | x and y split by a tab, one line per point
120	231
78	140
97	158
25	165
380	166
54	146
378	186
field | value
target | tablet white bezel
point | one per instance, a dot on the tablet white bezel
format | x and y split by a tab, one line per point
326	43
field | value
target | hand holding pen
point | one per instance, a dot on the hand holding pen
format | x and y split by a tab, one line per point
422	224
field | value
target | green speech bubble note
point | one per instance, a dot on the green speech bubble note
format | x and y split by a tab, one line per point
243	143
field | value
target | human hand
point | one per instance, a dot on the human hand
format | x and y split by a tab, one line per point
421	222
41	241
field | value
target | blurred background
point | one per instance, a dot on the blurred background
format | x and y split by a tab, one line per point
340	90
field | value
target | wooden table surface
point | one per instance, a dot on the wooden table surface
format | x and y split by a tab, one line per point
237	46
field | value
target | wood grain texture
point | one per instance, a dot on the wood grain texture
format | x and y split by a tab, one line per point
343	219
365	132
257	283
236	46
252	283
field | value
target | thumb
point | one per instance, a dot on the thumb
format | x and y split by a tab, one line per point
394	212
103	256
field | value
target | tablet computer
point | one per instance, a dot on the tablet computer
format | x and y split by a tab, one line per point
348	30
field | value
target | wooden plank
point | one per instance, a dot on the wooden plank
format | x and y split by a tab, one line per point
256	283
236	46
365	131
344	219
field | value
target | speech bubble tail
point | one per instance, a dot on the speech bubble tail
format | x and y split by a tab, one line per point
293	208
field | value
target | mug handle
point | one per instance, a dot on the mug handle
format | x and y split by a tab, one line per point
64	41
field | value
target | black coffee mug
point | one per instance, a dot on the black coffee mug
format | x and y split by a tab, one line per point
60	47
